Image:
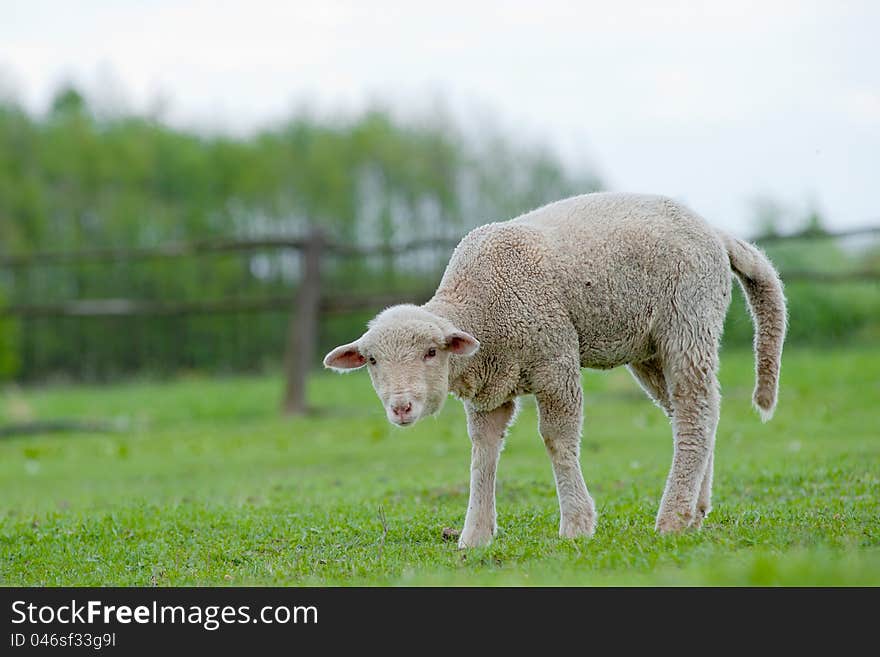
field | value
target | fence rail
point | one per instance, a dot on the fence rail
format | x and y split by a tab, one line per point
309	303
135	308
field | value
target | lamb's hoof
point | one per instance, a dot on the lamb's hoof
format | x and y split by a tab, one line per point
700	516
449	534
574	527
474	539
673	523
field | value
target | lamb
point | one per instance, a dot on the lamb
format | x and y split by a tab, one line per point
597	281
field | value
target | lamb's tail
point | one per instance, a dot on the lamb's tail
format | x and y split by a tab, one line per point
763	290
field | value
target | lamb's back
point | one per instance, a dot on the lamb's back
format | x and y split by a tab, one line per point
606	262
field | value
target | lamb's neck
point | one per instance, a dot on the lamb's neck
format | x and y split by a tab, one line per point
459	316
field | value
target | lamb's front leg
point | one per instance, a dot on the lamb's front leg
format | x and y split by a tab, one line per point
486	430
560	415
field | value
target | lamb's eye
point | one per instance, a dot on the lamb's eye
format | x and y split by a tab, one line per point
430	353
372	361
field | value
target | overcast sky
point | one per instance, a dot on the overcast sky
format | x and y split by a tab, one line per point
714	103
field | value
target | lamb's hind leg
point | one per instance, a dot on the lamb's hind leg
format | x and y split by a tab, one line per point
649	375
693	388
560	416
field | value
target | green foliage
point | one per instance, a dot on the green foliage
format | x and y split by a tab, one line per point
71	181
206	484
75	181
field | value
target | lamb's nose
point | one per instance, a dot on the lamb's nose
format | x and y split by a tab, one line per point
401	410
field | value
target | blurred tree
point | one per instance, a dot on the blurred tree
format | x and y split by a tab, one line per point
768	217
76	178
68	101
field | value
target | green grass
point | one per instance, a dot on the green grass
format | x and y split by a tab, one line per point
208	484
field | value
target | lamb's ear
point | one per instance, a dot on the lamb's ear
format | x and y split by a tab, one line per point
461	343
345	357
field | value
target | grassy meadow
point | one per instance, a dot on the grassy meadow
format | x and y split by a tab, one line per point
205	483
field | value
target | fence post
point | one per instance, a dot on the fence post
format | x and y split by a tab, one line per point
302	332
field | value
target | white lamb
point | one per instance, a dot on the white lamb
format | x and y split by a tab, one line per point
597	281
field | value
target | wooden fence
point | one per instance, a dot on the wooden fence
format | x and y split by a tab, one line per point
310	301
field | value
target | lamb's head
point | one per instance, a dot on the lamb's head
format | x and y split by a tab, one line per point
406	350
